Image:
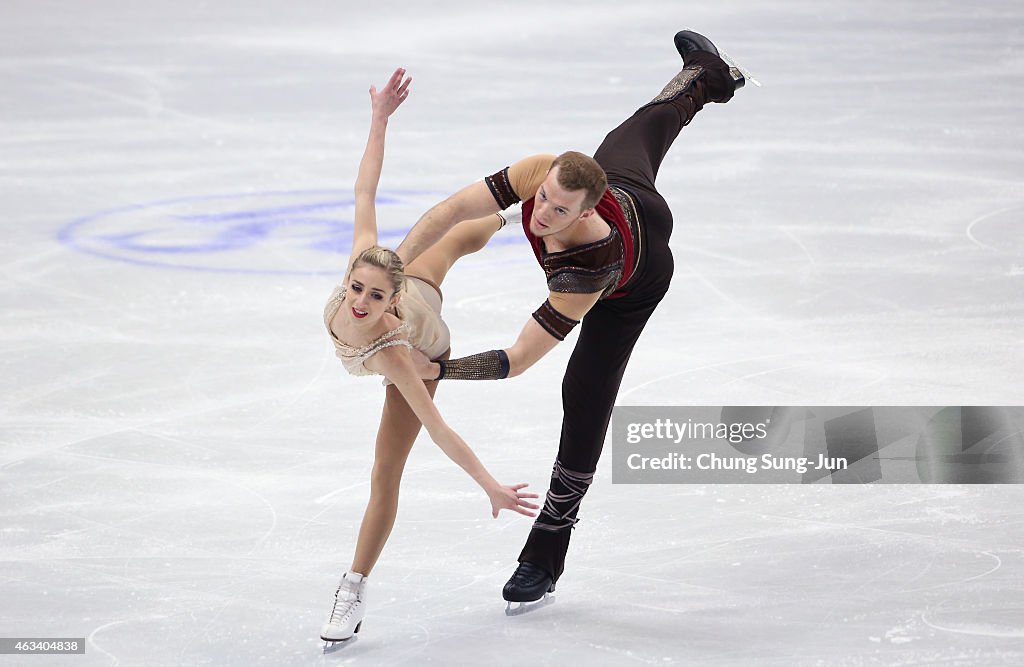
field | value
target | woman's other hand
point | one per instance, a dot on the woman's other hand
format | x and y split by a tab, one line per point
391	96
511	498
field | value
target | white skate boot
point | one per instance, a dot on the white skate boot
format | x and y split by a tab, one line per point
511	216
349	609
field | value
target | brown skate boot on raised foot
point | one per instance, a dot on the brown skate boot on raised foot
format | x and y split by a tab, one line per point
708	75
690	43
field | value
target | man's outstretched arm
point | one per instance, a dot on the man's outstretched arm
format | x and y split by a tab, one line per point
472	201
547	328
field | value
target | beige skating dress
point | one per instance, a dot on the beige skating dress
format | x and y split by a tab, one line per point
422	327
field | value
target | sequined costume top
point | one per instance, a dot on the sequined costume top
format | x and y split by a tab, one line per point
603	266
422	327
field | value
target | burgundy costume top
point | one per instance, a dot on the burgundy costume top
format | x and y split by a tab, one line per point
602	266
606	264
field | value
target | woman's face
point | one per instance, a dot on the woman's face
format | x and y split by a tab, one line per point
368	294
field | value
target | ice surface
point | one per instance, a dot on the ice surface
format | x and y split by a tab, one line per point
183	463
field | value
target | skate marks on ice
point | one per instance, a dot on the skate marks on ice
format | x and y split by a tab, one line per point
995	623
91	639
772	595
998	231
982	618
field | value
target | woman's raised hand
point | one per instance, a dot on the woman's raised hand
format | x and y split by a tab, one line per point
511	498
391	96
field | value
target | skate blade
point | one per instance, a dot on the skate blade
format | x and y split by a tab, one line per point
335	645
733	64
527	607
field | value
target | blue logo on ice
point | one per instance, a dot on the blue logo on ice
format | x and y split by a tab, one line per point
297	232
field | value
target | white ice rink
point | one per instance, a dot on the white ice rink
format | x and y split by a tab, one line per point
184	463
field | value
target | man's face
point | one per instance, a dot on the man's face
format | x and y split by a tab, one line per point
555	208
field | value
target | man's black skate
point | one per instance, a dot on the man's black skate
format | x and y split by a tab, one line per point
689	42
529	583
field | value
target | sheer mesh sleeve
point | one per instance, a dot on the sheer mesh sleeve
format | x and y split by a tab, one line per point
492	365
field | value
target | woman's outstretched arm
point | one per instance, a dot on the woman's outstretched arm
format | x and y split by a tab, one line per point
395	364
383	103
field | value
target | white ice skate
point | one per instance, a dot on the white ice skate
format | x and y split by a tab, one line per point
511	217
349	609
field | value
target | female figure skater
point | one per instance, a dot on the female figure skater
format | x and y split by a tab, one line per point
375	319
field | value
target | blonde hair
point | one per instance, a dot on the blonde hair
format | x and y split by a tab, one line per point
385	259
577	171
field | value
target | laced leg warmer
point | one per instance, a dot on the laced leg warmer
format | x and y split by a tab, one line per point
563	499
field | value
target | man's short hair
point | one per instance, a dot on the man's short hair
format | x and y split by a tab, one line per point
577	171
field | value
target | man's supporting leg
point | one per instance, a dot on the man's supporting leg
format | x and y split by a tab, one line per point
592	378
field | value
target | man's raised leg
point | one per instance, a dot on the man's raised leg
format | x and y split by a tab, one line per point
632	153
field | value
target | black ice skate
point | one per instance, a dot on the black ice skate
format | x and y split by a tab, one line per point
708	75
529	584
688	41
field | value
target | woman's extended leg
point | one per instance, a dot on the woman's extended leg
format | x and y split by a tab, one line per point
463	239
395	437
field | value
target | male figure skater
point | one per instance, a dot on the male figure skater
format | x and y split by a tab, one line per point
600	231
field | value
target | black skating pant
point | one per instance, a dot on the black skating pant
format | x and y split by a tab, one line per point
631	155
